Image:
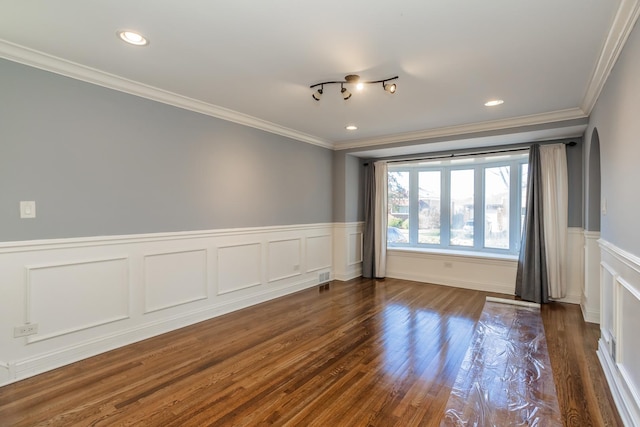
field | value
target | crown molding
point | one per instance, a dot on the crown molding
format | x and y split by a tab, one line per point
43	61
493	125
622	25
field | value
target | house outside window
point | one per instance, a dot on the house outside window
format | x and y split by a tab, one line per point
471	203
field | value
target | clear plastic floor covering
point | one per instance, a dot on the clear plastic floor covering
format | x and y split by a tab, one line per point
505	378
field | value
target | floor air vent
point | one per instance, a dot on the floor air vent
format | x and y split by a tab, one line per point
324	277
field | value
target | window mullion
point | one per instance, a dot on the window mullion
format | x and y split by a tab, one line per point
413	206
445	207
478	208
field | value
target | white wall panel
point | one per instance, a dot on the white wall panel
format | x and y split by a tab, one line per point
347	250
318	252
355	248
75	295
459	270
174	278
590	301
284	259
607	276
239	267
93	294
619	346
629	335
5	375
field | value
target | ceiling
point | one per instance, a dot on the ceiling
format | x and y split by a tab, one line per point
252	62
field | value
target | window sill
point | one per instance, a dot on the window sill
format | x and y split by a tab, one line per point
454	253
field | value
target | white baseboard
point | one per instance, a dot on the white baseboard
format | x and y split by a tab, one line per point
627	409
590	316
620	341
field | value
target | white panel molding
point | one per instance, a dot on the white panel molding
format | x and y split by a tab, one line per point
456	270
43	61
621	255
106	319
356	245
271	256
5	372
628	410
318	263
21	360
590	300
242	274
345	267
79	242
632	290
606	309
175	301
623	24
30	366
628	339
622	270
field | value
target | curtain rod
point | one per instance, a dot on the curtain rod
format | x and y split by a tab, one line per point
475	153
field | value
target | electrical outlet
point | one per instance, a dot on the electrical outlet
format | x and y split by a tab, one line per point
24	330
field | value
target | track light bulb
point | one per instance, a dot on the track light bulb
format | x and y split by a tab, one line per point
317	94
345	93
391	88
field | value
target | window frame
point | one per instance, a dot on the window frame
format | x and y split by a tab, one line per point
478	164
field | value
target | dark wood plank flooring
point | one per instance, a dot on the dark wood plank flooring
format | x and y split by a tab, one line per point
361	353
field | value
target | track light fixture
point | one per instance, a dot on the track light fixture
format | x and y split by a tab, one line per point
391	88
318	94
353	79
345	93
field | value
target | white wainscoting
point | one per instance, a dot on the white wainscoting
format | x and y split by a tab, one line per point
347	250
619	345
67	297
590	300
458	270
319	253
174	278
91	295
477	272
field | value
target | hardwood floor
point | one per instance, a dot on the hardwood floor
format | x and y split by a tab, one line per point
361	353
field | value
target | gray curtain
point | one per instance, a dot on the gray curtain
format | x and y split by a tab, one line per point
531	279
368	238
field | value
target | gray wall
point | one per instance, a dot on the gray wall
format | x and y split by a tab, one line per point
592	183
615	116
575	181
101	162
347	188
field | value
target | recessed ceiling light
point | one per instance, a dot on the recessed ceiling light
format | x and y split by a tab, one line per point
132	37
494	102
351	127
360	86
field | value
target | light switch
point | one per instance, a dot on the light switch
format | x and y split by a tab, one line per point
28	209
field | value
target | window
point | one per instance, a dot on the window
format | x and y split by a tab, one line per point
469	203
